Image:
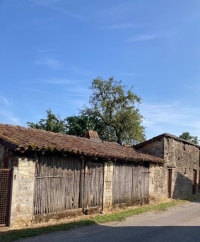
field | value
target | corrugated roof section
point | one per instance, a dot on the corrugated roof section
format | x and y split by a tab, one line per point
22	139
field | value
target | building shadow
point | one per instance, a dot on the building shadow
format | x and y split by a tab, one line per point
185	188
106	233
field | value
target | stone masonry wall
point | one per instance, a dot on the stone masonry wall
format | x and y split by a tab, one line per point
108	178
156	189
156	174
183	159
22	193
155	148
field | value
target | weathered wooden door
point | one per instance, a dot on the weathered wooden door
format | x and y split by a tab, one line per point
5	178
93	186
169	183
57	184
130	183
194	182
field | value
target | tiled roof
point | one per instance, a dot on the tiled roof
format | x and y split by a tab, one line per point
22	139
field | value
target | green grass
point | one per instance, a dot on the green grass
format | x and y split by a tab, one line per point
11	235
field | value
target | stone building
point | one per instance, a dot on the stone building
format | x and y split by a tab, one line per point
45	175
180	174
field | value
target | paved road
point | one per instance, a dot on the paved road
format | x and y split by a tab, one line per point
177	224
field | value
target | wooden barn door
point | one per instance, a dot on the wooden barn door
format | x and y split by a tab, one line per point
130	183
125	184
57	184
93	186
5	182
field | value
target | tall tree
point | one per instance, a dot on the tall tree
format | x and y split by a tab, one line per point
78	125
115	106
52	123
73	125
190	138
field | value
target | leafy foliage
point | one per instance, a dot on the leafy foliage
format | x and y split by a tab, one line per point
114	106
73	125
190	138
78	125
112	114
52	123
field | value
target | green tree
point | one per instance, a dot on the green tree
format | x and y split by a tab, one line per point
190	138
73	125
78	125
52	123
114	105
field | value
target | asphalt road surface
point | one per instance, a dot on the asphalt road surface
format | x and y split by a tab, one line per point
179	223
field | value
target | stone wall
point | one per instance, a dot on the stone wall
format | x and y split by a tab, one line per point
22	193
156	189
155	148
181	157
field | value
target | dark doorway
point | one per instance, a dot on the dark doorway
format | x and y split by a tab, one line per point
5	178
169	181
199	183
194	182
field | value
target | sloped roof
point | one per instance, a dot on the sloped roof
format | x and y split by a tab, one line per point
22	139
167	136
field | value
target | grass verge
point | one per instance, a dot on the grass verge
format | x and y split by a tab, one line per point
12	235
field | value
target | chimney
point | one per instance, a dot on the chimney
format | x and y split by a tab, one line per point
92	135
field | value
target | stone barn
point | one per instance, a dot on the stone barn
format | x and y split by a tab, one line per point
179	177
45	175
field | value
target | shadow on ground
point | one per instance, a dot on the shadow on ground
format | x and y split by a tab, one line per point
99	233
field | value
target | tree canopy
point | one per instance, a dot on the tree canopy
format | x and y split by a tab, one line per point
112	113
73	125
190	138
52	123
115	106
79	125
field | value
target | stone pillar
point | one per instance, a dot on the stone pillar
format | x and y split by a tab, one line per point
22	193
157	183
108	179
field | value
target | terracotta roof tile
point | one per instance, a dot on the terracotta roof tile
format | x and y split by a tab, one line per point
21	138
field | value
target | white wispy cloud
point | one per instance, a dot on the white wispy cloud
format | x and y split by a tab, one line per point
58	81
53	81
144	37
78	71
5	100
51	63
9	117
68	92
174	118
50	5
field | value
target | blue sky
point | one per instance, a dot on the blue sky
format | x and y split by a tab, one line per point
51	50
